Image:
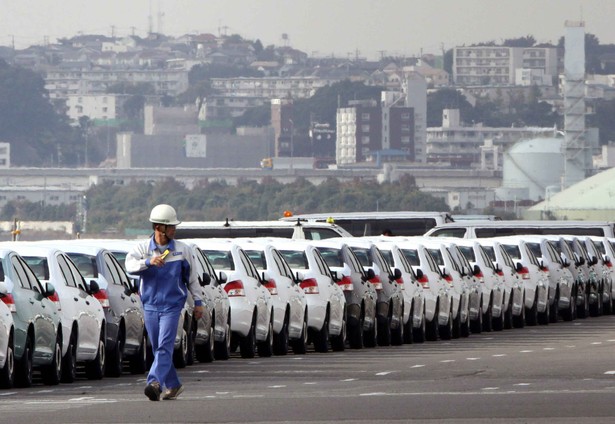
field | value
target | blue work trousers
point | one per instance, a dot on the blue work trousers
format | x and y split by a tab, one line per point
162	329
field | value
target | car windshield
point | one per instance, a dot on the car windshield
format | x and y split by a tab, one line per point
258	258
513	251
412	255
490	251
121	258
362	255
332	256
296	259
39	266
437	256
468	252
388	256
220	259
86	264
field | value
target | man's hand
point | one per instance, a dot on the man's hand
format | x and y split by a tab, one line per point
198	312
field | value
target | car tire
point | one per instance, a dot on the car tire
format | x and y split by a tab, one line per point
456	333
95	369
476	325
265	348
24	369
508	317
384	331
408	329
498	322
569	313
355	333
583	311
431	327
247	344
205	352
299	345
397	334
531	314
280	340
446	331
138	362
7	373
181	353
115	359
69	362
419	333
554	308
321	337
222	348
370	336
488	318
52	373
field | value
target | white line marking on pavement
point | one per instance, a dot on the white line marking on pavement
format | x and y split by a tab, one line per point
447	360
597	343
521	384
310	382
499	355
417	366
277	386
200	371
548	348
384	372
349	379
525	351
490	388
373	394
610	373
472	359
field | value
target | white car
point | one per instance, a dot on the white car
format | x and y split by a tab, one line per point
437	291
597	253
492	284
7	338
591	286
251	303
561	294
513	309
212	332
360	295
461	280
289	299
390	304
414	302
81	314
607	248
325	299
535	279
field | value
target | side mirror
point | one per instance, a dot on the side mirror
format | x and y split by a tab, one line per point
419	274
565	263
205	279
50	290
594	260
370	274
396	274
223	278
3	289
476	270
335	276
518	267
92	287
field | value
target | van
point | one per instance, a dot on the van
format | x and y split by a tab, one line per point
488	228
374	223
246	229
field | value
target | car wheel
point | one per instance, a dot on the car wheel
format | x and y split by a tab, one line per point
476	325
508	317
69	362
222	349
355	333
300	345
419	333
408	329
24	370
554	308
138	363
115	360
519	320
488	318
52	373
457	323
265	348
205	352
569	313
280	340
531	314
7	373
338	343
583	311
432	326
498	322
321	337
247	344
181	353
446	331
397	334
95	369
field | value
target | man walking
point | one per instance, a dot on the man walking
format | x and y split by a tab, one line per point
166	270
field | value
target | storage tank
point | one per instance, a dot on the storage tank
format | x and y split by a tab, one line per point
531	167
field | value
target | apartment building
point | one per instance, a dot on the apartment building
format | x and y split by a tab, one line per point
97	107
269	87
367	128
498	65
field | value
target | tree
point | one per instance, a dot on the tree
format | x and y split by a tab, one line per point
527	41
447	98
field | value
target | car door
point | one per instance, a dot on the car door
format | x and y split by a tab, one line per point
131	304
90	310
263	302
43	314
336	295
296	296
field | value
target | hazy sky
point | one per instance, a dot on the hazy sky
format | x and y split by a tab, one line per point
318	27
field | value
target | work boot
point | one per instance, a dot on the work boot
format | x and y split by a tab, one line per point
172	394
152	391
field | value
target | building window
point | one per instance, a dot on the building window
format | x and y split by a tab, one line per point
365	139
365	128
365	116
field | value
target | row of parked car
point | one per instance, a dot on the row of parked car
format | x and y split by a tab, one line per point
69	306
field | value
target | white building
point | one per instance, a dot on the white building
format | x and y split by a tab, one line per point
269	87
97	107
498	65
5	155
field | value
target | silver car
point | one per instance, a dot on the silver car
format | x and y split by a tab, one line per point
38	329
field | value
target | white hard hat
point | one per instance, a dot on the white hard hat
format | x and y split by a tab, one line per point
163	214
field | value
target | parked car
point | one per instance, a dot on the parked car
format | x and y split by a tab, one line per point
513	309
289	300
390	303
535	276
215	342
588	270
360	294
461	280
597	253
607	250
251	304
38	327
126	337
562	300
82	314
7	338
325	299
414	301
491	283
